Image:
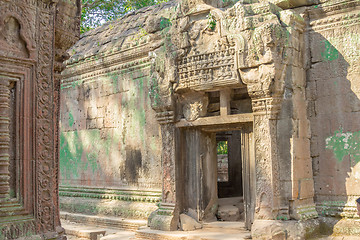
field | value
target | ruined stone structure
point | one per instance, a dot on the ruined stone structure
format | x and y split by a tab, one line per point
34	38
146	98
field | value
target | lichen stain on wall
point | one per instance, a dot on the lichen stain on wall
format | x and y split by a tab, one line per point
344	144
329	52
79	151
71	119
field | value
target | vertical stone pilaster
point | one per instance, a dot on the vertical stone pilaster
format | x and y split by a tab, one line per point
267	166
168	163
166	216
4	138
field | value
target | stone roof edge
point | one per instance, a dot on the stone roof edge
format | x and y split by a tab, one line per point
76	56
95	75
105	60
328	9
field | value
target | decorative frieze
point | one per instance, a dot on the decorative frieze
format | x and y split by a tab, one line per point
205	71
112	194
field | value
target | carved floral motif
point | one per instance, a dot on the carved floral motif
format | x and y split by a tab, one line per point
28	30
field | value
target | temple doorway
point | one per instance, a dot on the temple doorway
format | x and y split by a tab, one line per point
217	172
229	176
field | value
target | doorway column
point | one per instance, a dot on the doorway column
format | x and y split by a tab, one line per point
266	158
166	217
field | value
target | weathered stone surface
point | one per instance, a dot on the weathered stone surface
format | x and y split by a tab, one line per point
188	223
228	213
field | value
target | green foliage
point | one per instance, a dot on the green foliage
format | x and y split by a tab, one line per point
222	147
211	22
96	12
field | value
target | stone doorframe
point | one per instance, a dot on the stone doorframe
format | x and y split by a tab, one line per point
34	38
268	59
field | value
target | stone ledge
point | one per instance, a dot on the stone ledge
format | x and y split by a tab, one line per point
102	221
203	234
115	194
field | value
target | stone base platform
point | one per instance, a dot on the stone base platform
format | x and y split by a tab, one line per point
210	231
291	229
102	221
75	231
340	226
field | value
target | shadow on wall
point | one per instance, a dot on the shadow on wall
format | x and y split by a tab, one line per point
333	93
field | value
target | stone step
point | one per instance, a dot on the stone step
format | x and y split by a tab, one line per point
84	234
221	233
104	221
228	213
231	209
122	235
219	225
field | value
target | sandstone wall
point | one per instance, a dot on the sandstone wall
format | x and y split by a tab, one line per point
110	139
300	65
109	136
333	92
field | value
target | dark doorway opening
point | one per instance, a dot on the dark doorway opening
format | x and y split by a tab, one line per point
229	164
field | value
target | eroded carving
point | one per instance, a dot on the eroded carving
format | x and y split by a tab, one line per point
11	38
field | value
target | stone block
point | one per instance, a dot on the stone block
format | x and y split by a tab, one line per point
323	184
187	223
99	123
91	124
228	213
101	112
91	113
81	124
307	188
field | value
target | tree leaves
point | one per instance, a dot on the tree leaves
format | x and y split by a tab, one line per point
96	12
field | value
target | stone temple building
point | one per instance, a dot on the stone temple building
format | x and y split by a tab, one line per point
146	100
193	109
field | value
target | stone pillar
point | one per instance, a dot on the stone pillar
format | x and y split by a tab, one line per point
166	216
276	86
4	138
266	159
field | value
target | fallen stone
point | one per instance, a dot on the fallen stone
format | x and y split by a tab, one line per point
228	213
188	223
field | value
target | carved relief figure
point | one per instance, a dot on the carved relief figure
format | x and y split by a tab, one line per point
11	38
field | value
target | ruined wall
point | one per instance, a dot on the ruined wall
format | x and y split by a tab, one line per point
333	93
295	64
110	139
